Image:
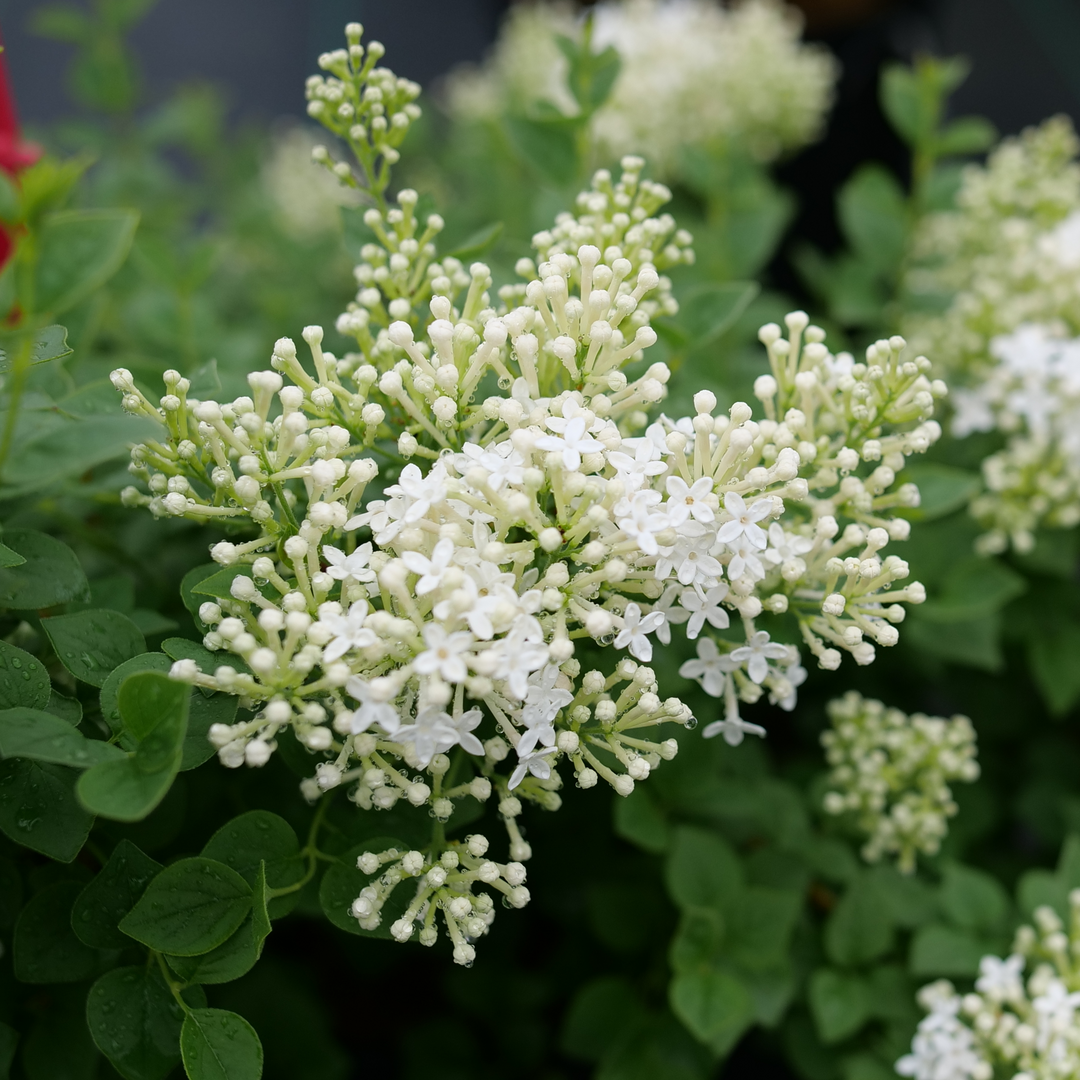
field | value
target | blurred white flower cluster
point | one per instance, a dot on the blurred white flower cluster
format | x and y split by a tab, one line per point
892	773
1026	1029
1005	268
305	197
693	73
449	529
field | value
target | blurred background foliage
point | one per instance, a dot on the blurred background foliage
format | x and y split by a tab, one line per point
715	923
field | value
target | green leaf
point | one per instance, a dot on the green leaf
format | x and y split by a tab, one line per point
9	558
944	950
240	953
111	895
597	1013
873	215
218	584
708	310
973	898
203	713
154	709
68	709
839	1002
639	820
51	574
714	1005
548	146
702	870
90	644
860	928
698	942
78	251
341	885
901	102
220	1045
194	577
479	242
72	448
942	489
260	839
974	642
110	689
11	893
1053	651
135	1022
762	920
23	679
966	135
45	946
40	736
190	908
973	588
591	75
38	809
49	343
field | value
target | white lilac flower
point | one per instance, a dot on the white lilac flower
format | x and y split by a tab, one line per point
1011	1025
691	75
689	500
756	654
445	654
537	762
431	570
349	631
711	667
341	567
373	710
458	624
1001	269
635	630
705	606
891	773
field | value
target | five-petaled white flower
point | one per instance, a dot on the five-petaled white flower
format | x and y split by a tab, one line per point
744	521
637	517
685	501
733	727
542	705
784	546
673	615
1000	979
373	710
635	628
756	654
536	762
445	653
690	557
349	631
341	567
711	667
705	607
571	438
431	570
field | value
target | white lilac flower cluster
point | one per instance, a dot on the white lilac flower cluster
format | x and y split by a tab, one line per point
369	108
891	773
306	200
692	74
1027	1029
443	530
1033	396
1004	267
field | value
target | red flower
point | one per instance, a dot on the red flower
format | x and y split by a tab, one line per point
14	153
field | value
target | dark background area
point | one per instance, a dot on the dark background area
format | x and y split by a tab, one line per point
1024	51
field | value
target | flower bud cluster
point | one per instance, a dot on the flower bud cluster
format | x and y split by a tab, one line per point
368	107
1009	1026
1033	396
693	74
891	773
1004	268
427	531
